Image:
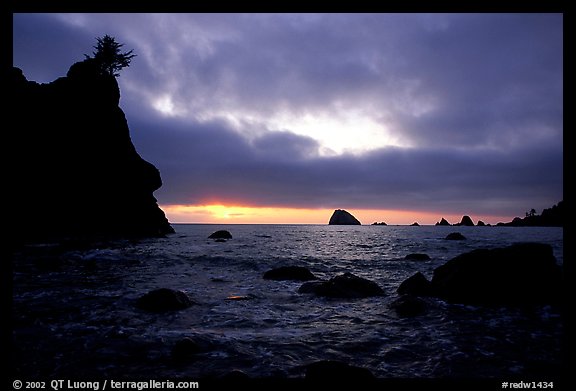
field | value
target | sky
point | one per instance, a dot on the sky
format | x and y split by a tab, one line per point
282	118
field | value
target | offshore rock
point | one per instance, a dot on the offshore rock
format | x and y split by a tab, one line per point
455	236
342	217
443	222
81	175
466	221
222	234
346	286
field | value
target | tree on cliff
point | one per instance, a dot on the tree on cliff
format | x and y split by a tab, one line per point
109	57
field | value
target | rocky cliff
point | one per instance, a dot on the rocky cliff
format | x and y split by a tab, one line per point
342	217
74	170
551	217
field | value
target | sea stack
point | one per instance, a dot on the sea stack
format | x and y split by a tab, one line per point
342	217
466	221
75	171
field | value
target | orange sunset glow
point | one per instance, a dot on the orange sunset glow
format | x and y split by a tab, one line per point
234	214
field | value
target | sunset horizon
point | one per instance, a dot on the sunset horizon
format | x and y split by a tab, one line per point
237	214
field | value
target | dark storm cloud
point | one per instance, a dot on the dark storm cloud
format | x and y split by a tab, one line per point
475	101
215	163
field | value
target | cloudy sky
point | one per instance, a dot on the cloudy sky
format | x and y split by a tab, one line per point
285	117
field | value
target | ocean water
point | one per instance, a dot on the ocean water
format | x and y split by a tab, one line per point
74	308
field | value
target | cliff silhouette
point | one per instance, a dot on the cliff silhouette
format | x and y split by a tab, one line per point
551	217
74	170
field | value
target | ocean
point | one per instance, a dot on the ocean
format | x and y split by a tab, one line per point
74	312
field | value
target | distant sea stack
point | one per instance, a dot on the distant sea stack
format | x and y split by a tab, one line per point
342	217
443	222
466	221
74	170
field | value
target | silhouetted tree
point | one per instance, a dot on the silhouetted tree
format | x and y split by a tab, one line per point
109	57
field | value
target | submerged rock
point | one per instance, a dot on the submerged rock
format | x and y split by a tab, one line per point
342	217
345	285
164	299
295	273
455	236
417	257
222	234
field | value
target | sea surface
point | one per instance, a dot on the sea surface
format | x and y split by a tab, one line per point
74	312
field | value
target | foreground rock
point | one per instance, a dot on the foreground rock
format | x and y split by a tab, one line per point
163	300
222	234
342	217
455	236
408	306
79	157
336	371
416	285
521	274
346	286
294	273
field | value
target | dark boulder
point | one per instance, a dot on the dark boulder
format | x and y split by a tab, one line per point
455	236
379	223
481	223
345	285
466	221
222	234
524	273
417	285
415	224
342	217
329	371
295	273
311	287
164	299
443	222
408	306
417	257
